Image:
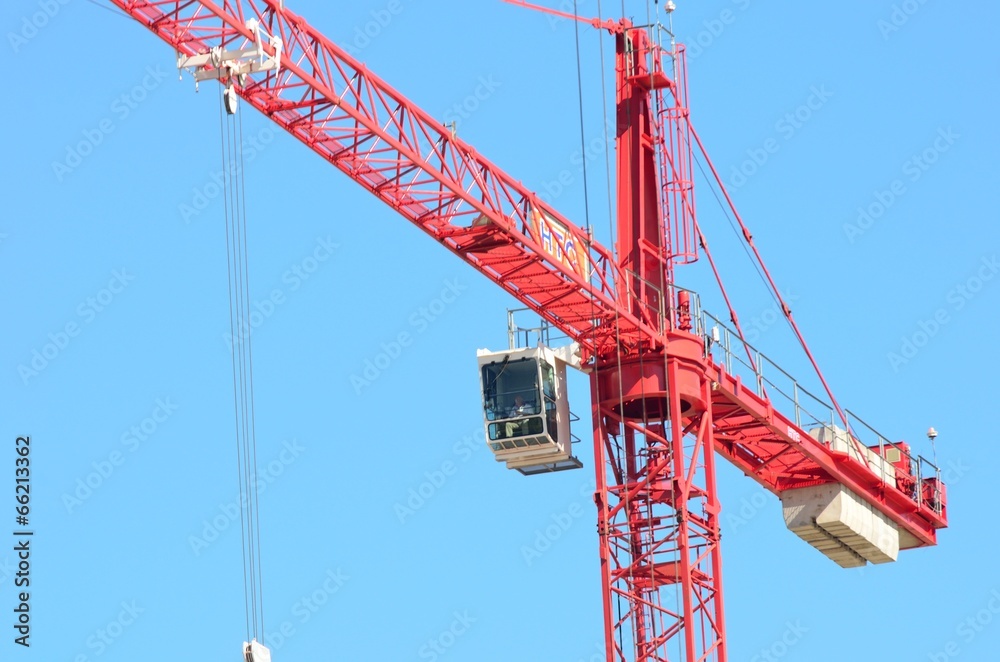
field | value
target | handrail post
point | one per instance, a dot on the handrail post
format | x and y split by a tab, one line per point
881	449
663	313
729	351
920	485
937	490
760	376
795	398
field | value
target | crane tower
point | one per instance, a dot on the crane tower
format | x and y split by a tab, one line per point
671	385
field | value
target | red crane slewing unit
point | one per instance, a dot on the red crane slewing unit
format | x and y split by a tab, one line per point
668	387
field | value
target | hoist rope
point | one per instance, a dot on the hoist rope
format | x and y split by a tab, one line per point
234	201
617	322
666	416
633	455
583	138
253	418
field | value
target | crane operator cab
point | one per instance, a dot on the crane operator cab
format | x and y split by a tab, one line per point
525	408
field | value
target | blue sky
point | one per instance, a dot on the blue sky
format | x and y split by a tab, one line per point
860	143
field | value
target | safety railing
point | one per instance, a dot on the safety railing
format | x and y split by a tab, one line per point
912	471
668	309
915	476
770	381
519	337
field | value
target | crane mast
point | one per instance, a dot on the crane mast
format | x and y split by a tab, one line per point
658	514
667	393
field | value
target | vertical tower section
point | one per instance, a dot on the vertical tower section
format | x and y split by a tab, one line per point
655	187
658	511
640	242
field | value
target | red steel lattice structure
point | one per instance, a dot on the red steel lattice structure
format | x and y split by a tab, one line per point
662	405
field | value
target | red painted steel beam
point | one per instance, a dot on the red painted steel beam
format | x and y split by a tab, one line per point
767	433
410	161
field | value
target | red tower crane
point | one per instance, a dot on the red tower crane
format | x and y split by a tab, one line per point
670	386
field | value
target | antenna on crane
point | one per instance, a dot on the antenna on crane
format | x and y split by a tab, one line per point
669	8
932	435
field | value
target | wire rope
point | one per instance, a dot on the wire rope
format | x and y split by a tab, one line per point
234	202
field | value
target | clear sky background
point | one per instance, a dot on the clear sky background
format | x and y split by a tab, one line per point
888	82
